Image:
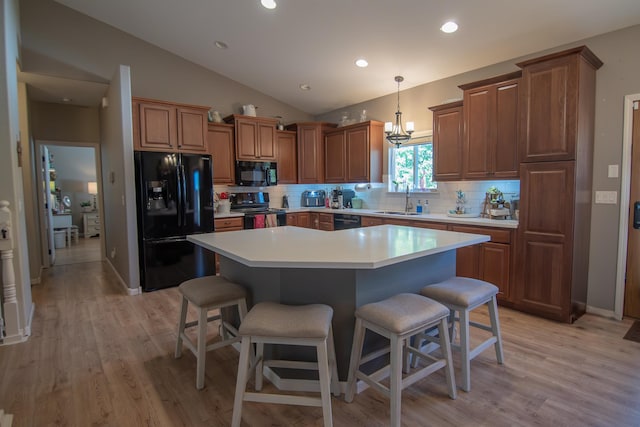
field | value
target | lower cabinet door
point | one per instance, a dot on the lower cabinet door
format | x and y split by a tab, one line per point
495	259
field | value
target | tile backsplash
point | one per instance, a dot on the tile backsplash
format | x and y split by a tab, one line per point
378	196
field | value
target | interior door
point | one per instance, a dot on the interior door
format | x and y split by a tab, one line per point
632	285
47	206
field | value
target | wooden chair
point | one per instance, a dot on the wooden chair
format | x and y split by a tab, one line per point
208	293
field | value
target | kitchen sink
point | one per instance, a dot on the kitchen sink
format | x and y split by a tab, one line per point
397	213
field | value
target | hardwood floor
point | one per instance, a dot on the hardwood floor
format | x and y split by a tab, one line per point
100	358
85	250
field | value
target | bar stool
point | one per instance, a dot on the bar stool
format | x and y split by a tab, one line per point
462	294
305	325
208	293
399	318
74	234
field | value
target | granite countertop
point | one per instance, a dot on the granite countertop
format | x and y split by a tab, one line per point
361	248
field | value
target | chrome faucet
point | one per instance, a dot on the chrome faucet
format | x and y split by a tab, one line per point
407	202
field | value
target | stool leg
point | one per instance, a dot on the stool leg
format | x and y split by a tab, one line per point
395	379
325	380
464	350
259	365
445	346
495	328
354	363
241	382
202	347
331	348
181	323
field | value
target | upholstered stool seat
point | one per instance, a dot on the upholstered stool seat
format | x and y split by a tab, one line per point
461	295
305	325
399	318
208	293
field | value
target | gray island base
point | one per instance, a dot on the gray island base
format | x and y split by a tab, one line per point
343	269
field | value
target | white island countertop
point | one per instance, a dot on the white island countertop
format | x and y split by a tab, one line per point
361	248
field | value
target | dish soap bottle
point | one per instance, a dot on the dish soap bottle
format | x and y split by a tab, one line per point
425	209
419	207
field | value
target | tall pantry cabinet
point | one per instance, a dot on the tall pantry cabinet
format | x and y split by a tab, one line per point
557	107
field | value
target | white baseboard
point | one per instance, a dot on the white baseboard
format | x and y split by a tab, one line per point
609	314
130	291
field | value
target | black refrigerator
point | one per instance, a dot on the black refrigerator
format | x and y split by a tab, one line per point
174	199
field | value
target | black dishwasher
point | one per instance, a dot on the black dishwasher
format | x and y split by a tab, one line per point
345	221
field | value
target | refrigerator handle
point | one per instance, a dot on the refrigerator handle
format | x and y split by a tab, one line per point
179	198
184	196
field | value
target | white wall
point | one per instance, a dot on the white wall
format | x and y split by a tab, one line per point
10	172
118	182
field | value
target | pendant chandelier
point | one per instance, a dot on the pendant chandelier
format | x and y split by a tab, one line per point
395	134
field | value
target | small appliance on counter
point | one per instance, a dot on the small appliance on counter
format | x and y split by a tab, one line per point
341	198
313	198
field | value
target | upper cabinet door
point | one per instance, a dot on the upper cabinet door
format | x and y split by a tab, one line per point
221	142
549	110
357	150
287	160
192	129
266	145
335	166
157	126
166	126
255	137
447	141
504	155
491	128
479	107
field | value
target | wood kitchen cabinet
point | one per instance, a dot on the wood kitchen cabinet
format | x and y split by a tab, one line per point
370	221
286	157
221	147
558	93
325	221
490	144
255	137
166	126
354	153
490	261
310	147
299	219
314	218
556	151
448	126
226	224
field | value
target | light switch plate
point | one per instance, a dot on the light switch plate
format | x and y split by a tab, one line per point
613	171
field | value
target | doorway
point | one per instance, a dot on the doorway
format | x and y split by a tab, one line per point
74	202
627	298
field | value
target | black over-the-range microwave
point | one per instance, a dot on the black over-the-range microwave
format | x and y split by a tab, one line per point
256	174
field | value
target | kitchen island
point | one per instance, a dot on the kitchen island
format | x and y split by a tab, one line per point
344	269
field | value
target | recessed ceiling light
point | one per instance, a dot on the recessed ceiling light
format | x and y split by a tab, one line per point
449	27
269	4
220	45
305	86
362	63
